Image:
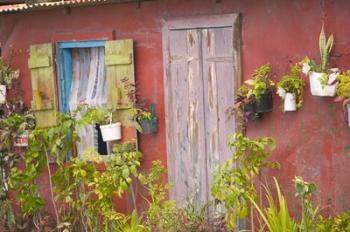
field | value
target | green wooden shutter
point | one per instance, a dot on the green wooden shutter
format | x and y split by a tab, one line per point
44	103
119	58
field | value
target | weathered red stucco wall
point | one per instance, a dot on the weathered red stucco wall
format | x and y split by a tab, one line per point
313	142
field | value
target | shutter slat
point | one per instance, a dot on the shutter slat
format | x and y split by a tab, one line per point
44	103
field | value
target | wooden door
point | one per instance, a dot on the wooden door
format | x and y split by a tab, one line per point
202	71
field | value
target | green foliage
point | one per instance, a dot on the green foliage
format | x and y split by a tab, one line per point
343	88
293	83
7	75
163	215
339	223
304	191
160	213
260	82
85	194
135	225
233	181
275	216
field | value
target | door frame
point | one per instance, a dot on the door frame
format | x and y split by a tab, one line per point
199	22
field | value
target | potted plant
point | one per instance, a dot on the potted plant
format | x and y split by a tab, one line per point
323	80
147	120
15	129
103	117
111	131
343	93
291	88
7	75
254	97
260	88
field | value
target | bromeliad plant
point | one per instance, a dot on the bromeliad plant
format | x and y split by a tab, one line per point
323	80
147	120
291	89
255	95
232	184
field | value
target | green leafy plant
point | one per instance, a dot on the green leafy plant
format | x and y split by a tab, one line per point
304	191
233	181
293	83
275	216
260	82
339	223
163	215
251	92
343	89
7	75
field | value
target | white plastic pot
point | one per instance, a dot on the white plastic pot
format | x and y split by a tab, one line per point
2	94
111	132
348	113
21	140
290	102
316	87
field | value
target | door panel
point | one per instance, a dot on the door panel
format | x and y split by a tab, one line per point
199	86
219	93
187	118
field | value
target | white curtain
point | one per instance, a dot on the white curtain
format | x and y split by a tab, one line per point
88	87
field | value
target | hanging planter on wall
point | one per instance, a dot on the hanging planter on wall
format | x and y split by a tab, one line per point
323	81
111	132
323	84
21	140
290	102
291	88
254	97
148	120
265	103
2	94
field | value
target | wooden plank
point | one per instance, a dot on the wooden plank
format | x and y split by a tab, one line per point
43	81
205	21
178	115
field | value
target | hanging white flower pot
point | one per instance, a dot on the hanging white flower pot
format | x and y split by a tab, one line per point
348	113
21	140
2	94
324	90
111	131
290	102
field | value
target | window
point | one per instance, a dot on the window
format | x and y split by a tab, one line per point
82	80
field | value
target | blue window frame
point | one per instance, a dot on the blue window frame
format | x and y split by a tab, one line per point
65	67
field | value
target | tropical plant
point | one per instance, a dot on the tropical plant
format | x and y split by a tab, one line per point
304	191
275	216
232	184
292	83
325	45
7	75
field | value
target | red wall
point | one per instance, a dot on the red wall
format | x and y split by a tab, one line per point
313	142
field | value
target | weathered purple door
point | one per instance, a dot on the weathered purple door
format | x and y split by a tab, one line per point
202	70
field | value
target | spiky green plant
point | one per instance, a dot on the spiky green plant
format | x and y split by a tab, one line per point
275	216
325	49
